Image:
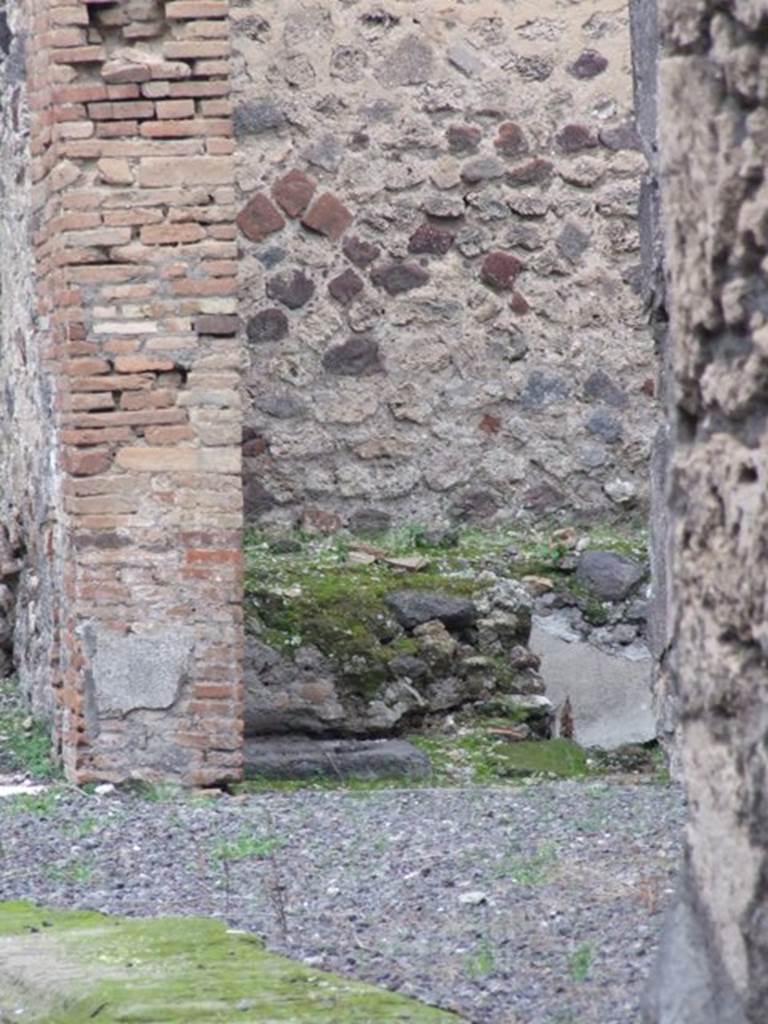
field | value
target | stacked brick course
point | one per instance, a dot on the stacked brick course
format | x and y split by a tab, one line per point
132	173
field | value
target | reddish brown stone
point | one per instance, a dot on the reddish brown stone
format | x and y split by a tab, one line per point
400	277
573	138
490	424
220	324
259	218
511	140
519	304
533	172
293	192
345	287
360	252
429	239
327	216
463	138
89	463
500	269
648	387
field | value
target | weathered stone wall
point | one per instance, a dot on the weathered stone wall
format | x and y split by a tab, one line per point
713	93
440	261
28	582
135	349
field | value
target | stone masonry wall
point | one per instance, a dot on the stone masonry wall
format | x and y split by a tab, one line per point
713	140
28	597
440	257
135	326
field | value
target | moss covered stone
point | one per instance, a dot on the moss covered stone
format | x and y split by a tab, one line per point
67	967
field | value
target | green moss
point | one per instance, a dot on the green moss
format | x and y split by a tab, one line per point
339	608
66	967
484	759
25	743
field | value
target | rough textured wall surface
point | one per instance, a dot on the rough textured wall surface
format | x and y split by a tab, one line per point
27	480
440	257
714	132
645	60
135	279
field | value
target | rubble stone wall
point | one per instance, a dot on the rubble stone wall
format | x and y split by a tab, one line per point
713	132
28	485
440	256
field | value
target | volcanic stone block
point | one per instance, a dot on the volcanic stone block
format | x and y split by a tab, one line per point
589	64
358	357
360	252
430	239
500	269
573	138
328	216
533	172
293	192
396	278
259	218
267	325
256	116
414	607
463	138
511	140
608	575
291	287
345	287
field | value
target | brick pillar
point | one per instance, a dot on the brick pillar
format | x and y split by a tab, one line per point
136	263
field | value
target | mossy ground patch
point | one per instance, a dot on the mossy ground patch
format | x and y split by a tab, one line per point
67	967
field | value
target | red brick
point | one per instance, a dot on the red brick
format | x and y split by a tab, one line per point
188	9
89	463
293	192
169	435
184	50
87	367
128	382
121	111
175	108
259	218
118	71
94	437
328	216
80	55
142	364
171	234
162	398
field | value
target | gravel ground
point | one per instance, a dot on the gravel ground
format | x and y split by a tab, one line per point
534	905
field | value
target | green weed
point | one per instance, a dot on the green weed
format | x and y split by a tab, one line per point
39	804
482	961
244	847
24	741
537	869
580	961
77	872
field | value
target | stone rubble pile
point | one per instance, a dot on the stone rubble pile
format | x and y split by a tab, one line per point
468	654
